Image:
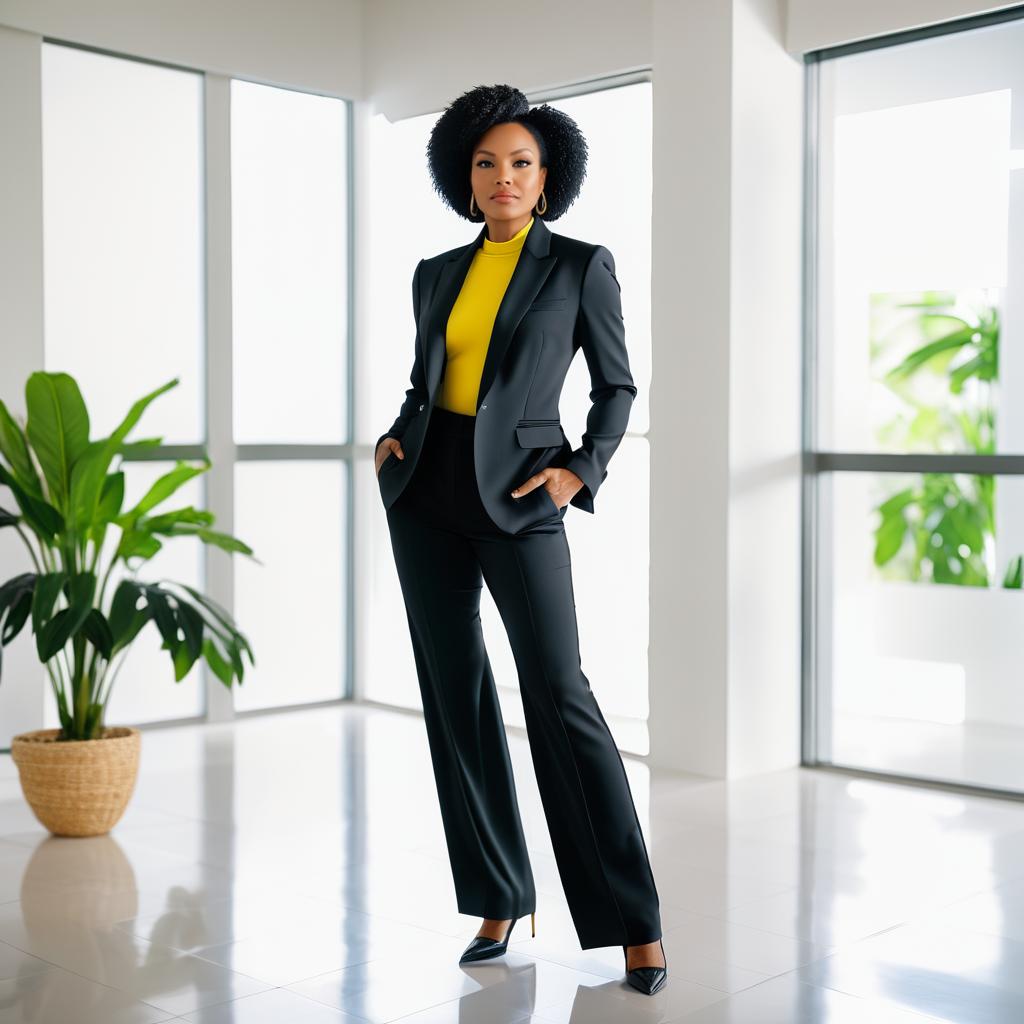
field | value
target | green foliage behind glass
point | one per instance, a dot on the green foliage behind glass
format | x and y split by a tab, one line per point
937	356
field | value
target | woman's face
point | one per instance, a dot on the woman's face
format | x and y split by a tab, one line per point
507	161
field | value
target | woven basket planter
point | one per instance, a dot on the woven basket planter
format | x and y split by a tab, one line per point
78	787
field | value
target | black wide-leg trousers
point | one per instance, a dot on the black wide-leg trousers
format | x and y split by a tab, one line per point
445	546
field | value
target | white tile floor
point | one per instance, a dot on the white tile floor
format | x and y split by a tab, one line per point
292	869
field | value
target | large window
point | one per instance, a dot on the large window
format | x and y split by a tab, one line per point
918	432
123	236
123	273
289	266
614	209
133	201
290	325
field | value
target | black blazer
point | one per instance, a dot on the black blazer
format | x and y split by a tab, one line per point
563	295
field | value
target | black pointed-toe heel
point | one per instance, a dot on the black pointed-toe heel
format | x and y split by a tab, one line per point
485	948
647	979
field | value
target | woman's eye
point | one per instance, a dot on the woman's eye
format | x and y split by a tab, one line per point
521	160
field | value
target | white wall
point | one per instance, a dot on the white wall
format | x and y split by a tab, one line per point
689	435
21	328
725	403
764	394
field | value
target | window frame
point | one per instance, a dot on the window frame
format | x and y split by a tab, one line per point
818	465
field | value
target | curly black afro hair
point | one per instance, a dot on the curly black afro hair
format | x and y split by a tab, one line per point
563	149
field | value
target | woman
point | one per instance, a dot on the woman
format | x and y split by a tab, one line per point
476	475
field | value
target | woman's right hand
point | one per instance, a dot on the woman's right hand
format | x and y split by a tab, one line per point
384	449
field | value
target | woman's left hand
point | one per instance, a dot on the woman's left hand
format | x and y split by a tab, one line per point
561	484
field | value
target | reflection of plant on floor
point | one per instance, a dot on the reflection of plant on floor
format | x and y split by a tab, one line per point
937	355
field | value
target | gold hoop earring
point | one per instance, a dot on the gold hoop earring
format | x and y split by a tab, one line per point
537	207
472	205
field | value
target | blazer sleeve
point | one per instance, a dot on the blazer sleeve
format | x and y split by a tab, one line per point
602	336
416	395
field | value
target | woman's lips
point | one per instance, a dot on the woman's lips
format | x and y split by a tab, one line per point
503	197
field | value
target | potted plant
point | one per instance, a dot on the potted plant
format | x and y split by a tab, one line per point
69	493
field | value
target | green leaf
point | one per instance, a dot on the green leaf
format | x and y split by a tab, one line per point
111	497
15	604
191	523
167	523
126	619
90	468
142	446
48	589
57	428
56	633
45	521
221	616
191	623
66	623
1014	578
917	358
136	544
166	485
17	616
183	662
221	668
163	615
97	632
225	542
236	658
212	625
897	502
123	606
981	366
889	538
14	448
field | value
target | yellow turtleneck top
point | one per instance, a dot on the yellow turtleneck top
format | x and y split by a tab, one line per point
472	320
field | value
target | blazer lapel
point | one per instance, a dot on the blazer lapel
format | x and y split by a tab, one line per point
531	271
446	291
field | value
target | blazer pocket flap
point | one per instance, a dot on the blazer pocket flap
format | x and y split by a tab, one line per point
549	304
539	435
